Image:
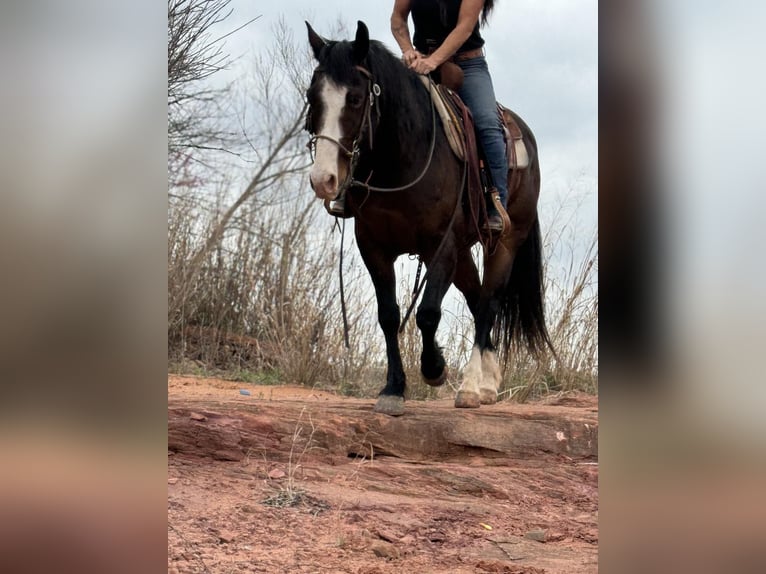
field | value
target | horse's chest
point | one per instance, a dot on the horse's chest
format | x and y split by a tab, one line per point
389	230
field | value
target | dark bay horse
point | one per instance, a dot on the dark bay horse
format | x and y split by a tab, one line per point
375	136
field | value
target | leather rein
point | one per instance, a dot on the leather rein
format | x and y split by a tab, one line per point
373	92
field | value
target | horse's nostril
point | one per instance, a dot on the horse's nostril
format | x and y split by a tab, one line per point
325	185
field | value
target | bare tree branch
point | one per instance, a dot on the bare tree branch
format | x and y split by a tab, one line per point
194	55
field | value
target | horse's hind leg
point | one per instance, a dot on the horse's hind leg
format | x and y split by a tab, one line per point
490	377
432	365
468	282
381	268
481	377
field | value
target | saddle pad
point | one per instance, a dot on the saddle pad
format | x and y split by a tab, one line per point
518	157
452	126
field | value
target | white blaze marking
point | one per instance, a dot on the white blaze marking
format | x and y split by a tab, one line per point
333	99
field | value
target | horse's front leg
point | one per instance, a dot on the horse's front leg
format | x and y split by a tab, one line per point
381	268
432	365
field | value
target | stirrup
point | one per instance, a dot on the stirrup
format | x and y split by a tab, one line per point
495	223
491	224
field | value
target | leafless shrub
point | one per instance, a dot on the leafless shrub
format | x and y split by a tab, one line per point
264	299
196	104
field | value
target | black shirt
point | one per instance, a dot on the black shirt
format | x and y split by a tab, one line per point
434	20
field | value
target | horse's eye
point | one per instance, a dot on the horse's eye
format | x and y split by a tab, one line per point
354	100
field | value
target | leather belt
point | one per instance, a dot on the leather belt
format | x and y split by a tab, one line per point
467	55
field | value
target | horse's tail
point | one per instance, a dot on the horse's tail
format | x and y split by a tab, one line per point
521	317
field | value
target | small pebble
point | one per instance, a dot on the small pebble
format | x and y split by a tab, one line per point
385	550
244	392
538	535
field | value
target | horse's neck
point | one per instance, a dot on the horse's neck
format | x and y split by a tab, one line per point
401	142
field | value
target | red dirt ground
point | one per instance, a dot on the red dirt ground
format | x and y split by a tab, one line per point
519	515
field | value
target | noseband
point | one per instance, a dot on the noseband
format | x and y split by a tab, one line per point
373	91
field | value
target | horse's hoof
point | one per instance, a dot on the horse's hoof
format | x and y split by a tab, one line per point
467	400
438	381
488	396
390	405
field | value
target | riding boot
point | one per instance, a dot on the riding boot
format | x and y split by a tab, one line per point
497	218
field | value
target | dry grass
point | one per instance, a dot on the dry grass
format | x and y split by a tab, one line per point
291	494
264	308
263	305
572	318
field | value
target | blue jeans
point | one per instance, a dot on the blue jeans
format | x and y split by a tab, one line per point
479	95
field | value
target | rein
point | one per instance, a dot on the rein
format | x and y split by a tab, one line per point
419	286
428	161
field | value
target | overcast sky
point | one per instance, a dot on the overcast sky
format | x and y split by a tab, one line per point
542	57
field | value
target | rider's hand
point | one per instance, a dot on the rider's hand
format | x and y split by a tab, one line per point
410	56
423	65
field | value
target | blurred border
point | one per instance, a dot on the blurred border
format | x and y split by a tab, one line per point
83	204
681	442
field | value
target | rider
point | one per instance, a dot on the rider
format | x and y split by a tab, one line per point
449	30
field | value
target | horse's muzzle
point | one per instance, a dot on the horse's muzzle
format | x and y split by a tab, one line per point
325	185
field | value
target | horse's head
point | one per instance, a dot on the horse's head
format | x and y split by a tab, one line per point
340	98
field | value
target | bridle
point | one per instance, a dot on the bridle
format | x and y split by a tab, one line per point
373	92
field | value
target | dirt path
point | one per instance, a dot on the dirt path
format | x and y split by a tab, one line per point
293	480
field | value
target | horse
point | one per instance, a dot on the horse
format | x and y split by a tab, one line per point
375	137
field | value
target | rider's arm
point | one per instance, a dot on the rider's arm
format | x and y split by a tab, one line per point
470	10
401	30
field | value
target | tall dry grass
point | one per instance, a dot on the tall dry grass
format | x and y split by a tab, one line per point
264	307
263	304
572	319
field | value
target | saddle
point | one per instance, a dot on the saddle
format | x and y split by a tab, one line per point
459	128
450	108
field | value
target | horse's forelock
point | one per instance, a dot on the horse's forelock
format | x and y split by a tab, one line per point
337	63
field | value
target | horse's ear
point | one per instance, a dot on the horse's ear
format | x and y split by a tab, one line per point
316	41
361	42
